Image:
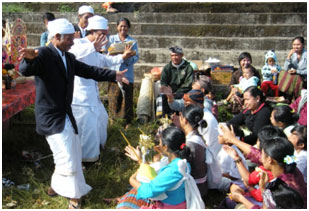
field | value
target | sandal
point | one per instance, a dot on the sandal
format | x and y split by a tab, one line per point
74	204
51	192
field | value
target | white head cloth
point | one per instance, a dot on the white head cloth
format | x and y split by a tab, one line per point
85	9
60	26
97	23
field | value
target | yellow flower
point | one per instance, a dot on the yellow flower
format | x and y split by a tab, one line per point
4	72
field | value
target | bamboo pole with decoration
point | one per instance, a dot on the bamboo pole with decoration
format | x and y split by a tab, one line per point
125	138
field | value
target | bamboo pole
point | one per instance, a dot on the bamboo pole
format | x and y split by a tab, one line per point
141	131
125	138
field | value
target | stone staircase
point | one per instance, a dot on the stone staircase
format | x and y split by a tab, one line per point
203	30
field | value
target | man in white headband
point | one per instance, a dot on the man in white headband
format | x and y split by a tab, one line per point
84	13
88	110
54	70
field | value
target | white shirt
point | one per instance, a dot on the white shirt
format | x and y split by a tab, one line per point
210	133
287	130
83	31
86	91
62	55
227	163
301	162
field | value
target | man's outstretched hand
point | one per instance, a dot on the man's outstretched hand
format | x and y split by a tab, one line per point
25	53
121	78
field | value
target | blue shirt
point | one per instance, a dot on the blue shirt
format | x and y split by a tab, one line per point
128	63
44	38
166	179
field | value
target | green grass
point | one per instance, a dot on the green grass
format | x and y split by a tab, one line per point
15	7
108	177
65	8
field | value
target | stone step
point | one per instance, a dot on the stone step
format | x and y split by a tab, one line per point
226	56
180	7
174	18
161	56
218	30
219	43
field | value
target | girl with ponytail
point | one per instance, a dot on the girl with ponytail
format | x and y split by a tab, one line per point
284	118
190	120
278	157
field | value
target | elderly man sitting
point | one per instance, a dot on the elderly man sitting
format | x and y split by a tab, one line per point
178	74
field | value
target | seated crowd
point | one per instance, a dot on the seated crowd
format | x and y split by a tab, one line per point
259	156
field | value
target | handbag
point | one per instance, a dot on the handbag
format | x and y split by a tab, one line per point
290	84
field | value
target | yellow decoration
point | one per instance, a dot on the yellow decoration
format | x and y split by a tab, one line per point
147	171
4	72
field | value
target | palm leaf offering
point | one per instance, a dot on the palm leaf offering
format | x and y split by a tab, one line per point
165	121
118	48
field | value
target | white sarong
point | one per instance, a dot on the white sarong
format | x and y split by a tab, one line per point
92	122
68	178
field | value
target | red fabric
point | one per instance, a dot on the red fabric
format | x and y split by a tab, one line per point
269	85
254	179
303	111
254	176
17	99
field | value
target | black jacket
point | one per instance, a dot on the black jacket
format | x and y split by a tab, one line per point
77	29
54	86
254	122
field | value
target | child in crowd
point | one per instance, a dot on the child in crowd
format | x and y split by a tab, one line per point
44	36
298	137
270	73
284	118
235	97
246	80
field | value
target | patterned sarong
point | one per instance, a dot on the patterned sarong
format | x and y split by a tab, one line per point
129	201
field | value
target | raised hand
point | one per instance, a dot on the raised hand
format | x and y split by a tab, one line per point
227	134
175	120
128	52
120	76
290	53
77	35
28	53
167	90
263	180
130	153
99	42
230	151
